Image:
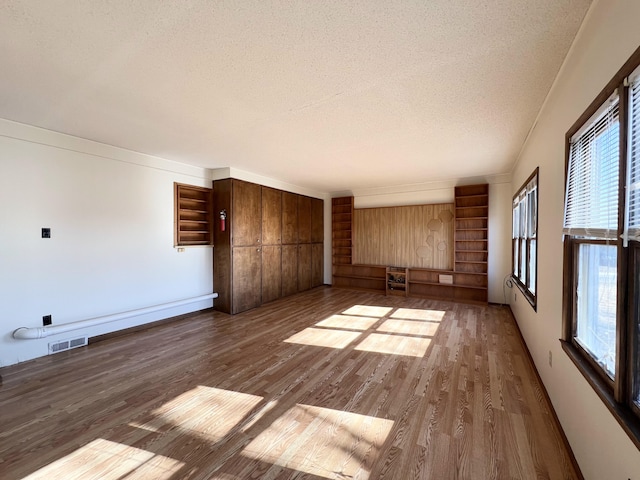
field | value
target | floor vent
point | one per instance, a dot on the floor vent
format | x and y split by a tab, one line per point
63	345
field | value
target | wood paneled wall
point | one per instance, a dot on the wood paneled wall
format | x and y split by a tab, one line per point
410	236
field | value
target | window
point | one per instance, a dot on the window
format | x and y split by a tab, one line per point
602	246
192	215
525	234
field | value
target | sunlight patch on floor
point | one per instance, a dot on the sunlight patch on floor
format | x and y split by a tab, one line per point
408	327
348	322
209	413
395	345
368	311
418	314
108	460
320	441
322	337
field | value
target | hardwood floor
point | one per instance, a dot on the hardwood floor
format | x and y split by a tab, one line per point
328	384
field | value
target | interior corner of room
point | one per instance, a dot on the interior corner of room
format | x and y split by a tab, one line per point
286	163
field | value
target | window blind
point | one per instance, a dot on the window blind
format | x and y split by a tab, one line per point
591	200
632	191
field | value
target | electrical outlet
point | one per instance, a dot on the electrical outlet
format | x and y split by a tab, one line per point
550	359
46	320
46	233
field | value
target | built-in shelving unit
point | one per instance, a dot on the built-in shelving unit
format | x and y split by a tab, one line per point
467	282
341	230
471	242
193	225
428	283
396	281
371	278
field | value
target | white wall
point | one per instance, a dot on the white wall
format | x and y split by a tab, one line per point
111	249
443	192
608	37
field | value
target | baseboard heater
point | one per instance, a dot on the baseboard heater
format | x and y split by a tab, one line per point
24	333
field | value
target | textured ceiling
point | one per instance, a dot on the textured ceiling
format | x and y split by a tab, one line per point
328	95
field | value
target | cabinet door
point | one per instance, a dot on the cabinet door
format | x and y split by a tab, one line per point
246	214
271	272
247	278
317	264
304	267
271	216
289	218
304	219
317	220
289	270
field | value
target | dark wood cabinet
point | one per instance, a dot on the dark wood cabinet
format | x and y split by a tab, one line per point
304	219
247	275
304	267
271	216
317	264
289	218
317	220
260	256
271	272
246	215
289	269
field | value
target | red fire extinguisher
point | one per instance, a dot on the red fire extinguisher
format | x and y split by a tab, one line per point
223	218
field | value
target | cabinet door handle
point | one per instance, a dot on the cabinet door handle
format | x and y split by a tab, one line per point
258	249
258	241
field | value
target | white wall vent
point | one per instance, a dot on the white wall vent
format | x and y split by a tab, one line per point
63	345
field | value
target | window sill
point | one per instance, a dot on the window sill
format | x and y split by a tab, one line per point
622	413
532	299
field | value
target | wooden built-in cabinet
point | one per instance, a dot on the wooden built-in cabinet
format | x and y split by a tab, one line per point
371	278
289	270
467	282
289	218
304	267
266	250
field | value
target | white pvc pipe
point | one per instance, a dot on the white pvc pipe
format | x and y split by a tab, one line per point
24	333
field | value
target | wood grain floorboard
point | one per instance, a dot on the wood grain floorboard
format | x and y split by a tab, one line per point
328	384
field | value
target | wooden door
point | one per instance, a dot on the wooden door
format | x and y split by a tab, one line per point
304	219
271	272
246	214
317	264
317	220
289	218
247	278
271	216
289	270
304	267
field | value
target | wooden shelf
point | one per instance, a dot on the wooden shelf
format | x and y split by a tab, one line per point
468	278
471	237
192	215
396	281
341	229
